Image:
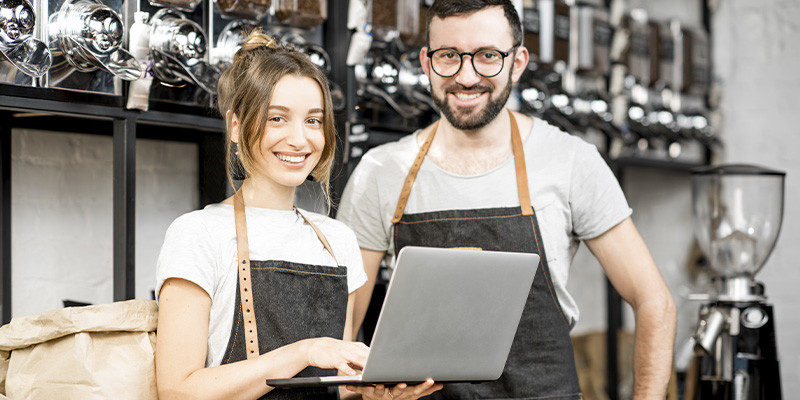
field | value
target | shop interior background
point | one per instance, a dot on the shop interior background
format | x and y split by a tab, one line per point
62	197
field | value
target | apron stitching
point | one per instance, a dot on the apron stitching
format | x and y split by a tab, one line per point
299	272
458	219
546	277
558	396
235	335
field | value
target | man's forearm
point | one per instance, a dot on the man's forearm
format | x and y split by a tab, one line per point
653	348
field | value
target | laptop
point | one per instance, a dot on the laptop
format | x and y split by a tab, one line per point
449	314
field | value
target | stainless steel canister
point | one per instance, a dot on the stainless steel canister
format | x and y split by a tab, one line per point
178	46
22	56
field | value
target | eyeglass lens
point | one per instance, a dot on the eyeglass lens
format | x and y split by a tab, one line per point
447	62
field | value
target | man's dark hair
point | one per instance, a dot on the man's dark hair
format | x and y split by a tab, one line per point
449	8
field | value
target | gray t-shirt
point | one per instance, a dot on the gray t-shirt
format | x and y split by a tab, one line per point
573	191
200	247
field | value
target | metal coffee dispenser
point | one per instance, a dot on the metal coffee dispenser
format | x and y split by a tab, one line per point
22	56
85	38
178	47
229	41
737	211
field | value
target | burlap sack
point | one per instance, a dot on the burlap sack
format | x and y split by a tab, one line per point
96	352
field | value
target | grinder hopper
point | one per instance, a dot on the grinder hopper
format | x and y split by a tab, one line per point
738	211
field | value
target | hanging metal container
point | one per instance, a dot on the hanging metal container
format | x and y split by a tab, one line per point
229	41
318	56
85	36
23	56
178	46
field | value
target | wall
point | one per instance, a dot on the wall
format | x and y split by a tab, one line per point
757	59
61	234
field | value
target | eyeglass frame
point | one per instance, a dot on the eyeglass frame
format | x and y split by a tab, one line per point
471	60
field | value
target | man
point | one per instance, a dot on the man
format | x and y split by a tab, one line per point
475	176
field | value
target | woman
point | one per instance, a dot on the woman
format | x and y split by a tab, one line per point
226	323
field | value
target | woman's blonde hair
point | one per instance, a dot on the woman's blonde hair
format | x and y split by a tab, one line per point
245	89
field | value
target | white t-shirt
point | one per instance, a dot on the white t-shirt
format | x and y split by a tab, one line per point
200	247
573	191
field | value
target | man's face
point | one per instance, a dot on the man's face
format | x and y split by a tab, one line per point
468	100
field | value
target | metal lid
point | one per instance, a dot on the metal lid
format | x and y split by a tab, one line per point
736	169
179	46
230	41
16	21
17	44
102	29
89	34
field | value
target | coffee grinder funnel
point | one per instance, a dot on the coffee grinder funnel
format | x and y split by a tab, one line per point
738	210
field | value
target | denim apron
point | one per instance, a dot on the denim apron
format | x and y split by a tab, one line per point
287	302
541	364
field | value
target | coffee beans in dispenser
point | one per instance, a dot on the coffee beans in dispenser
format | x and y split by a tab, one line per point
666	55
412	23
696	62
639	50
593	41
22	56
390	18
86	38
301	13
408	22
687	75
249	10
383	17
530	28
554	32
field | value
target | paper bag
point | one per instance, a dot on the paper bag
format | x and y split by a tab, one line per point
95	352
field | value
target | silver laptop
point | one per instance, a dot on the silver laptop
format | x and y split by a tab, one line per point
449	314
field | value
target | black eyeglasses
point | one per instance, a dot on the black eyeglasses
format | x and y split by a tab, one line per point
487	63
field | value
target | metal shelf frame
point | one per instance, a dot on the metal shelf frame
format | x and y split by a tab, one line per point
74	112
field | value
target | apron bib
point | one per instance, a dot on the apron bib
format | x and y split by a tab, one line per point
287	302
541	363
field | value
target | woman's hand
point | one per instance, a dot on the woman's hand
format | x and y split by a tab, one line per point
345	356
400	391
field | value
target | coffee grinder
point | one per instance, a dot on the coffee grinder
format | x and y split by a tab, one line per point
738	211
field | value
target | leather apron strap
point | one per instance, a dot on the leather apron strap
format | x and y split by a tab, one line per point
412	174
321	237
519	166
245	285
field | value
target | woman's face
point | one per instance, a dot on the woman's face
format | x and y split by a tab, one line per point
292	144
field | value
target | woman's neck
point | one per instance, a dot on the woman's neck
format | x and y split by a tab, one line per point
263	193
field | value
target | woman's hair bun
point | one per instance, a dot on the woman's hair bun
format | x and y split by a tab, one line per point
258	39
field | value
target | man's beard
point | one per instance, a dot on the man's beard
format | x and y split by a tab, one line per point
482	118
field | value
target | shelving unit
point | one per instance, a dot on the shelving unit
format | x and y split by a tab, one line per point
74	112
59	110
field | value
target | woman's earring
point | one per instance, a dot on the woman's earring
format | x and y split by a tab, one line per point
236	149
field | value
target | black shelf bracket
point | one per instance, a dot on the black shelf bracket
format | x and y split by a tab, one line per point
124	209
